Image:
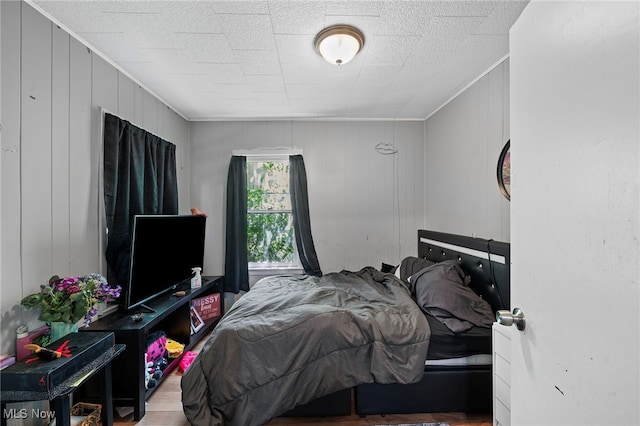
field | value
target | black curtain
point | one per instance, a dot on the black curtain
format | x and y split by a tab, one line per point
236	266
301	220
139	178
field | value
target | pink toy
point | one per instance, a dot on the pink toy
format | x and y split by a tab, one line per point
156	346
187	359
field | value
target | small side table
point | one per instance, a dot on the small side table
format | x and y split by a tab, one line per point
60	377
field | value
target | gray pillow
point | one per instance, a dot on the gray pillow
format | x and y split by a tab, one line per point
410	265
441	292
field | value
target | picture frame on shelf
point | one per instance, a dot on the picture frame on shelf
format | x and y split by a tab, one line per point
196	321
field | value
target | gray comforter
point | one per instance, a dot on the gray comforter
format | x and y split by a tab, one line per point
293	339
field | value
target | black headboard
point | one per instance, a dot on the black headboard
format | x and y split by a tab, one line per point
488	262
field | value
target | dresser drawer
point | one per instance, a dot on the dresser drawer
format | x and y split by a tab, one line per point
502	415
501	375
502	341
502	369
502	392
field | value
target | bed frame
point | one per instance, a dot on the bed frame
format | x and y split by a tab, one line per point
442	389
449	389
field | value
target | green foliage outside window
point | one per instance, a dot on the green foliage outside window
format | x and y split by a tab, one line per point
269	219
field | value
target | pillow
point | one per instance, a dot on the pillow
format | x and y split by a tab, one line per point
441	292
388	268
410	265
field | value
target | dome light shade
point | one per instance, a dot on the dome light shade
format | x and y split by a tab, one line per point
339	44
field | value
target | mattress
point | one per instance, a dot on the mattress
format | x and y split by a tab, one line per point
445	344
465	361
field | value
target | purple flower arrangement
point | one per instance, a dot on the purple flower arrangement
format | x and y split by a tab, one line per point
71	299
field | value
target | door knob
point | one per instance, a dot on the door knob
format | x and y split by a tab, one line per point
507	318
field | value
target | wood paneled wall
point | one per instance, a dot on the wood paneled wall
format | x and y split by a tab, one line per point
365	206
53	87
462	144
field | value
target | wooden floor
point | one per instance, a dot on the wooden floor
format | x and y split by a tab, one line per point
164	408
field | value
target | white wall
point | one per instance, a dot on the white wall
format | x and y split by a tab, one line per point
463	141
52	88
575	214
365	207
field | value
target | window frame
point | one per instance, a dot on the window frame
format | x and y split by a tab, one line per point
270	266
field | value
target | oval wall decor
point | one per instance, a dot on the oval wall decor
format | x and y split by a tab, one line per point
504	171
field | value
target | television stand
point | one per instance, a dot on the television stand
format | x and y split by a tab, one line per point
145	308
171	314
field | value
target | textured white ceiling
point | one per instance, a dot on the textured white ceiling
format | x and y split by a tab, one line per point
255	59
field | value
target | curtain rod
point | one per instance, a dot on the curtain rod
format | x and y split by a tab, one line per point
104	111
265	152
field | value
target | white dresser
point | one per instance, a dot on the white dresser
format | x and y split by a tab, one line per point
501	375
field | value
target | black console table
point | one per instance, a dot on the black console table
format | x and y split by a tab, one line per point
91	355
173	316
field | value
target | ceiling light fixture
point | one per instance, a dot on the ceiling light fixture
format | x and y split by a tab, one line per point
339	44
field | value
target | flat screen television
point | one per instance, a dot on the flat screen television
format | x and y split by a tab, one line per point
164	248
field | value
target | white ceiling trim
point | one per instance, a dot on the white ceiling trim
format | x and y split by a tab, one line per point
102	55
471	83
356	119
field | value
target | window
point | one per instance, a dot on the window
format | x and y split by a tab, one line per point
270	233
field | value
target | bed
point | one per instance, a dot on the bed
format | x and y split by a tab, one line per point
292	339
457	373
297	345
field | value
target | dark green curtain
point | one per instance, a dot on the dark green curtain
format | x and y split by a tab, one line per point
301	219
139	178
236	266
